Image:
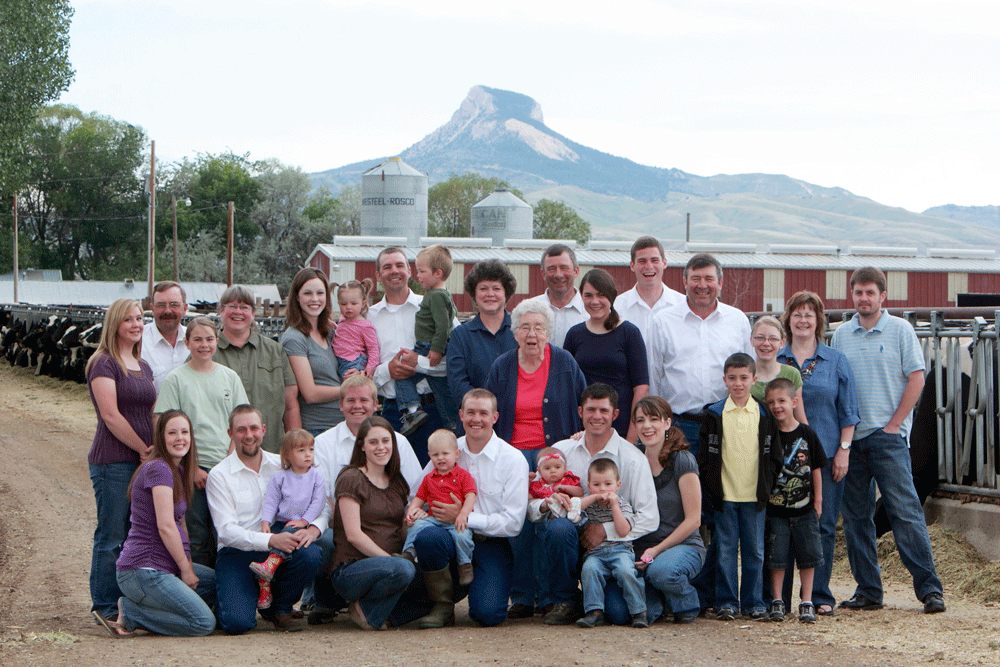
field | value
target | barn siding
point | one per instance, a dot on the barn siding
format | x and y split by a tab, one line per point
925	289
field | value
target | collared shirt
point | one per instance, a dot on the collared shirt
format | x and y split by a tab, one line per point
264	369
572	313
394	325
501	474
829	396
633	471
882	359
630	307
161	356
335	446
236	500
472	349
740	451
687	354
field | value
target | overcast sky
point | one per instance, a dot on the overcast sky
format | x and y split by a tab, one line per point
896	101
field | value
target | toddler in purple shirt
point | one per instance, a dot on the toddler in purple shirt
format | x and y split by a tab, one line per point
294	499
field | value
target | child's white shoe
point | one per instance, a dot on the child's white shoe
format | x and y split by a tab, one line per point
574	510
555	509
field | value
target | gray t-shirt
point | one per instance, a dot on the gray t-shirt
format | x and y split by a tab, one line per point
668	501
323	363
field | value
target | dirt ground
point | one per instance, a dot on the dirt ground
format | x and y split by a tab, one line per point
46	524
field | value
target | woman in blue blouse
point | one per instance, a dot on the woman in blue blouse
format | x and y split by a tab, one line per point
608	349
476	344
831	404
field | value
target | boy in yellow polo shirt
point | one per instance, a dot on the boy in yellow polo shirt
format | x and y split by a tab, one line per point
738	456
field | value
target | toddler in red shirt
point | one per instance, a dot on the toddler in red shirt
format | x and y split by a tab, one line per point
555	491
445	483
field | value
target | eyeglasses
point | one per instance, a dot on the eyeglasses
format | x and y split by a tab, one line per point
773	340
173	305
537	328
239	307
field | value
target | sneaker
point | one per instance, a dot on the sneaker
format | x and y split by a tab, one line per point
726	614
807	612
777	611
934	603
756	615
465	574
640	620
591	620
412	421
685	617
563	613
861	602
520	610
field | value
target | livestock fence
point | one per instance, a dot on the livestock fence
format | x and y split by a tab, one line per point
954	445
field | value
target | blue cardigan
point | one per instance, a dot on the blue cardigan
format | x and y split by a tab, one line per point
562	394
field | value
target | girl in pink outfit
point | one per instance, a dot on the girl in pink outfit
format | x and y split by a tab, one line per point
555	491
355	342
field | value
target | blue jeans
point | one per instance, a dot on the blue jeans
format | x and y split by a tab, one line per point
884	459
668	586
492	565
690	428
558	560
739	532
618	562
160	602
530	583
463	540
201	530
320	591
236	585
833	494
418	440
110	483
376	583
407	396
343	365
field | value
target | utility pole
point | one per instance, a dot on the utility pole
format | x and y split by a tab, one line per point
173	213
16	268
229	244
151	242
687	234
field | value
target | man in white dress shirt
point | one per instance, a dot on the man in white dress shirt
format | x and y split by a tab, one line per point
394	317
501	474
560	270
163	345
598	408
689	343
236	489
334	447
649	296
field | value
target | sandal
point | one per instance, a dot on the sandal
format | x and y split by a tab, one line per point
114	628
824	610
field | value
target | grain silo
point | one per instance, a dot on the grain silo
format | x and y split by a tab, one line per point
501	216
394	201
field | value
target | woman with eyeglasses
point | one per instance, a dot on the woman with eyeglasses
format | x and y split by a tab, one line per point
767	337
537	387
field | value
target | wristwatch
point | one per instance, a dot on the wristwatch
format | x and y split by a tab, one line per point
845	445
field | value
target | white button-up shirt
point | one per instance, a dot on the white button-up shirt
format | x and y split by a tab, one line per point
236	500
630	306
687	354
571	314
501	475
161	356
334	447
637	488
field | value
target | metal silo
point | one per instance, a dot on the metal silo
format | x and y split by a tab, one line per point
502	216
394	201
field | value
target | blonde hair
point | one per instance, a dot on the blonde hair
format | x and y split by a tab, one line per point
438	259
117	313
297	437
364	286
771	322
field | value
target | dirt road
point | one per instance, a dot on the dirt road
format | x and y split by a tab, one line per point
46	526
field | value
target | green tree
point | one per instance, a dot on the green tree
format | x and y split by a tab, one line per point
557	220
449	203
342	213
34	69
84	206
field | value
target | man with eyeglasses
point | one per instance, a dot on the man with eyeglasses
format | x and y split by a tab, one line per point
262	365
163	345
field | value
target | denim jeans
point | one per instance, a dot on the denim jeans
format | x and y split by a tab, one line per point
616	561
529	584
358	364
407	396
463	540
201	530
237	590
376	583
668	586
884	458
160	602
320	591
110	483
833	494
492	565
418	440
739	538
